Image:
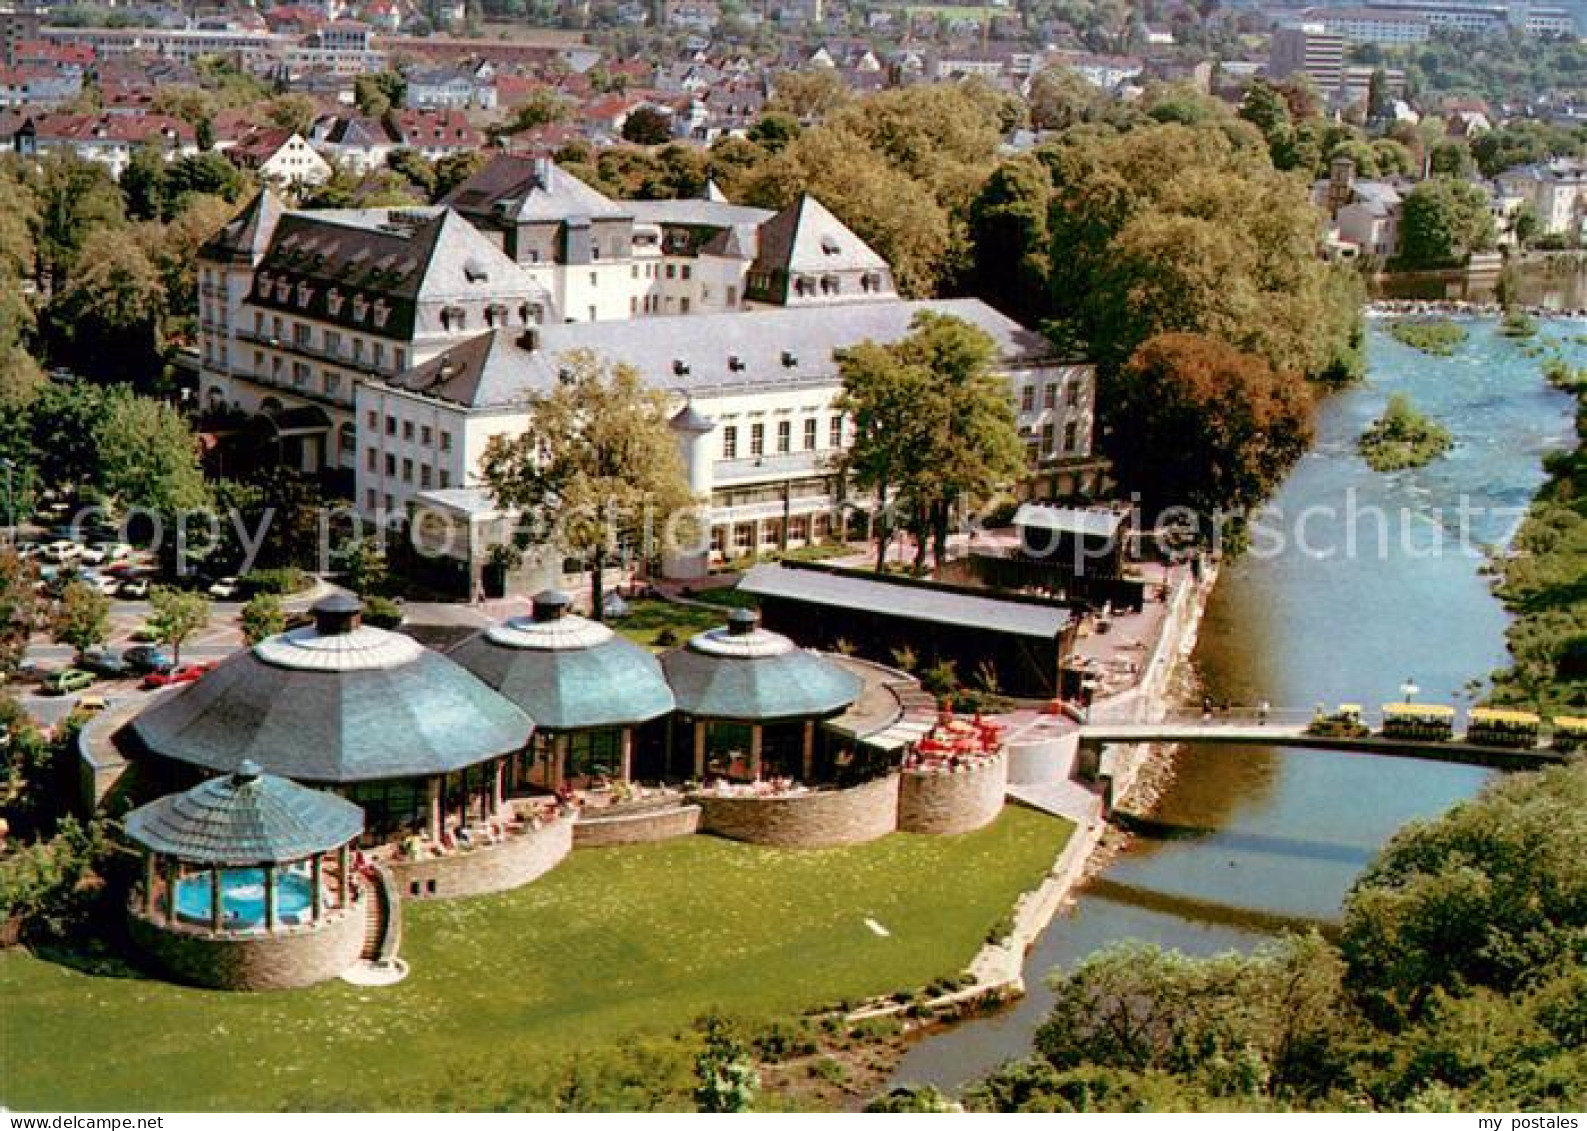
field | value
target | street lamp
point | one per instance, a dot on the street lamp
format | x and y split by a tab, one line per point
1408	689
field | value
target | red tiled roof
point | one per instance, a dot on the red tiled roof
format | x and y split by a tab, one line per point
435	127
132	128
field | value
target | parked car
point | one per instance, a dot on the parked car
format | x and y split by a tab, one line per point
92	703
92	555
146	658
226	588
106	665
134	589
187	673
103	582
62	550
68	680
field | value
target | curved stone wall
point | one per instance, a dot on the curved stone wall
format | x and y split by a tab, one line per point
1041	761
636	828
942	803
285	960
514	862
821	819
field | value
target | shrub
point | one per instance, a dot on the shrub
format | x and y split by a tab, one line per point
382	612
278	582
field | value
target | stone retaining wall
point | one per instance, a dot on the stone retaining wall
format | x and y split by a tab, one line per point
821	819
945	804
498	867
636	828
285	960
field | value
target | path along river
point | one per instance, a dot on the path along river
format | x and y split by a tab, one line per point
1261	837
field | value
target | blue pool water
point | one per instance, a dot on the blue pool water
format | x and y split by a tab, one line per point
242	895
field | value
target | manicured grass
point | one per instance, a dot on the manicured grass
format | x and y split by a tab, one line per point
616	948
648	619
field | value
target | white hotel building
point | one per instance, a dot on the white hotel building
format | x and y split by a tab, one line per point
393	345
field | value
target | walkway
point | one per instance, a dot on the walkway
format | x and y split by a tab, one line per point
1280	732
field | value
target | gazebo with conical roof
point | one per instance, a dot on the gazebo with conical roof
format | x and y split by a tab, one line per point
248	858
753	698
405	732
588	689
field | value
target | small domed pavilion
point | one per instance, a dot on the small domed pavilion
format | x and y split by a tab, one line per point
588	689
247	882
399	729
753	699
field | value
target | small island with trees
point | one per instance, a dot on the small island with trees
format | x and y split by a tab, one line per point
1440	337
1402	438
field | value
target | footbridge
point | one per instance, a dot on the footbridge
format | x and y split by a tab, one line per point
1293	729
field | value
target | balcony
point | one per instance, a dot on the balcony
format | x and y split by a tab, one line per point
792	465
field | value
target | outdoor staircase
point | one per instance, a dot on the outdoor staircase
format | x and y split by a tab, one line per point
382	917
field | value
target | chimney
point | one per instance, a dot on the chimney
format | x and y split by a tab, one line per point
550	605
742	622
338	615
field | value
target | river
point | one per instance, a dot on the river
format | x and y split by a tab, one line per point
1262	837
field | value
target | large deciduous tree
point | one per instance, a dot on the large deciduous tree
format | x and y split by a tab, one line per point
597	465
1209	427
82	618
19	609
934	428
1443	221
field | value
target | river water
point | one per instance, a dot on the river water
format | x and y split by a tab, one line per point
1257	837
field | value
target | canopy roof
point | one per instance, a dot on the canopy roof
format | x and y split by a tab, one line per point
567	672
245	818
334	703
746	673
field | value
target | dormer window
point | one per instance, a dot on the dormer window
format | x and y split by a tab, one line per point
334	300
830	245
680	367
496	315
360	308
382	313
735	363
305	293
789	359
283	290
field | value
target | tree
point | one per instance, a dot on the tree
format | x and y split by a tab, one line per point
968	440
143	183
1490	895
1060	98
414	166
597	461
1450	159
176	615
774	130
375	94
1380	99
82	618
295	112
1444	221
646	125
108	316
364	567
879	397
809	95
148	455
201	174
726	1080
75	198
19	610
1008	229
1209	427
453	169
543	107
262	616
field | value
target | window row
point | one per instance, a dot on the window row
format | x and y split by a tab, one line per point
808	438
427	477
1071	391
424	434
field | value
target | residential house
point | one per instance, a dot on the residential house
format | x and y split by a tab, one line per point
280	157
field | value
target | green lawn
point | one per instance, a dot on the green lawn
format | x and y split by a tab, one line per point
609	956
648	618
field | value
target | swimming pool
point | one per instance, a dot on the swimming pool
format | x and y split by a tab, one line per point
242	895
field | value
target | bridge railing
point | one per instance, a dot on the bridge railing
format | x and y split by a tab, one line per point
1249	716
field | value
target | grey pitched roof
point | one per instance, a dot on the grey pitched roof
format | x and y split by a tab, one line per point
397	255
767	684
609	684
690	353
530	190
411	719
245	237
805	238
245	818
919	603
711	212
